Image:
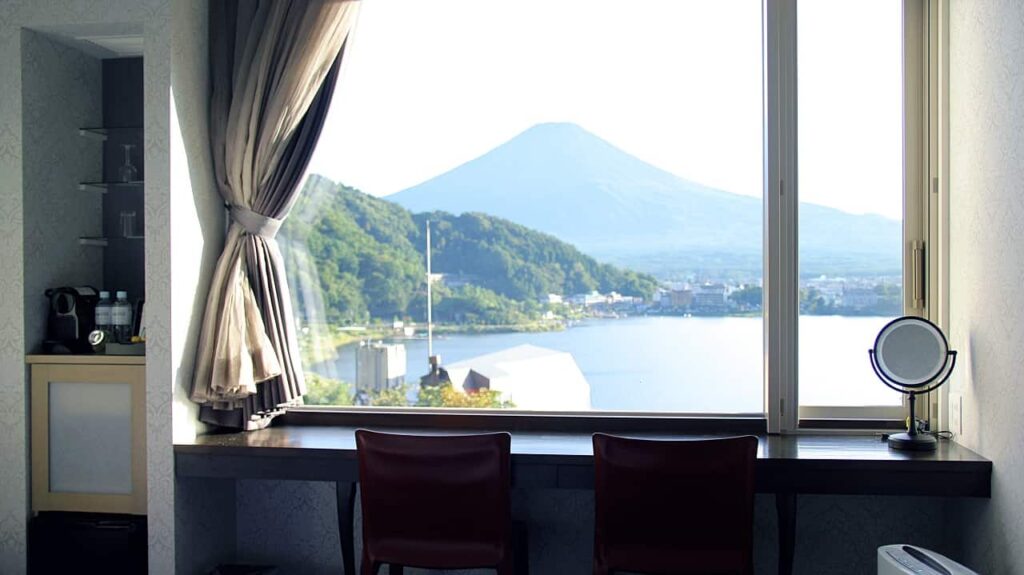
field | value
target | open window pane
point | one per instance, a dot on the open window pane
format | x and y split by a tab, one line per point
592	176
850	95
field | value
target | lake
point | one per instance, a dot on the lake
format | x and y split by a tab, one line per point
683	364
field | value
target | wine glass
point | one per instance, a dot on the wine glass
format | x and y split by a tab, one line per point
128	172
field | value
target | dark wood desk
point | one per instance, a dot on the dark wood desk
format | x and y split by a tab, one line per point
786	466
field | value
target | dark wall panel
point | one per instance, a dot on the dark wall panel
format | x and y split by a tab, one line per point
123	265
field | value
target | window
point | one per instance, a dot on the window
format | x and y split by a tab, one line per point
593	182
851	181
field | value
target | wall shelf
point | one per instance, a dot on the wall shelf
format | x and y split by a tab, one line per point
101	242
101	133
104	187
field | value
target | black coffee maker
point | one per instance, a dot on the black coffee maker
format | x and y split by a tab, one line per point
72	316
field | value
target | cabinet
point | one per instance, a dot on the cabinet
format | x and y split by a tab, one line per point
88	421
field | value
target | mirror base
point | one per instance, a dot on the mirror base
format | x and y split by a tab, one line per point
917	442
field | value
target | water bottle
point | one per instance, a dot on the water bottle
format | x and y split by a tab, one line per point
103	312
121	318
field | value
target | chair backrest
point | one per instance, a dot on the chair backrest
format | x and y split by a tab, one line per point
443	491
674	506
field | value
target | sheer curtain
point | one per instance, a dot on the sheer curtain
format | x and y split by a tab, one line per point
273	67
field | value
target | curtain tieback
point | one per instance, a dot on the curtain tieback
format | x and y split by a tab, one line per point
254	223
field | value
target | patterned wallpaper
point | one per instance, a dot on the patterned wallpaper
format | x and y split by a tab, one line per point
292	524
16	15
986	237
56	103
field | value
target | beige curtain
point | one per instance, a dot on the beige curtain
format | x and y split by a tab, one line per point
273	66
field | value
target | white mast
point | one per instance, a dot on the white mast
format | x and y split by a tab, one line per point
430	317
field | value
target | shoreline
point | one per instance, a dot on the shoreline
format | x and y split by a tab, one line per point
326	347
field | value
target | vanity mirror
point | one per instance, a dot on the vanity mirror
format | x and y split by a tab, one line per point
912	356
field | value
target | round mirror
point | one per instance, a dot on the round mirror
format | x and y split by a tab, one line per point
911	351
911	355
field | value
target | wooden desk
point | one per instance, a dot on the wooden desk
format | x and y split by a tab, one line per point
786	466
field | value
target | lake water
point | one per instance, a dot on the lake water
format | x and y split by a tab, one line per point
684	364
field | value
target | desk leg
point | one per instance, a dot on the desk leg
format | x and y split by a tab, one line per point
346	524
785	507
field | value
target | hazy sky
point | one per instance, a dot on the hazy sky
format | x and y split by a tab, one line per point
427	86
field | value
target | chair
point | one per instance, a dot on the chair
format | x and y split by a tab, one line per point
674	507
439	502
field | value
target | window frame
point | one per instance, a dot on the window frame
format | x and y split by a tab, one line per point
922	43
925	220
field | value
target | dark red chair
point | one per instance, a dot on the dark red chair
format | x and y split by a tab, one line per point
439	502
674	507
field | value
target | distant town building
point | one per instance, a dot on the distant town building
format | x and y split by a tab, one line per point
859	297
379	366
680	298
588	299
552	298
402	329
709	298
529	376
830	288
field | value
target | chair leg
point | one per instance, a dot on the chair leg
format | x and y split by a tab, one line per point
511	564
368	566
520	548
395	569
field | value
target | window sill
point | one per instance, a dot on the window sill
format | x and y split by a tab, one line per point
823	424
514	420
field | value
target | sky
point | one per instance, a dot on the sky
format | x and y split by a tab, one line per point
427	86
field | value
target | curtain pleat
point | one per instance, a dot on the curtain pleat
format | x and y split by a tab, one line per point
274	65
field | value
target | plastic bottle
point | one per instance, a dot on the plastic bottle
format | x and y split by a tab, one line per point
103	311
121	318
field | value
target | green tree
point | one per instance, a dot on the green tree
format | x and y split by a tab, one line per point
354	258
447	396
322	390
750	297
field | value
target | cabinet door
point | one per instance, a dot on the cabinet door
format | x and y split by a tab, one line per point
88	438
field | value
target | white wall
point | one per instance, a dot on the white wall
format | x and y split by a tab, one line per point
987	259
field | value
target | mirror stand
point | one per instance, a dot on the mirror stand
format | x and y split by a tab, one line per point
912	440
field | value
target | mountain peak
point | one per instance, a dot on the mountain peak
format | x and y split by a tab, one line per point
554	136
555	128
563	180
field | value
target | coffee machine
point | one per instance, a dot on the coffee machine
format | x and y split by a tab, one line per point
72	315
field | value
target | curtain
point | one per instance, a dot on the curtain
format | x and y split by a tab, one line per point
273	67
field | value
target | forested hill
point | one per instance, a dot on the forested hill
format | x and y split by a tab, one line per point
357	257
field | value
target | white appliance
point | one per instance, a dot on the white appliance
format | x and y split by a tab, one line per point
911	560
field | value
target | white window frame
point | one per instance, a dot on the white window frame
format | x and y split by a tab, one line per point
925	202
926	216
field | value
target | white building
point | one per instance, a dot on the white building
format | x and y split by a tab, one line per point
529	376
379	366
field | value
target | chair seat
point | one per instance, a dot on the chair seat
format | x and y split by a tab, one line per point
436	554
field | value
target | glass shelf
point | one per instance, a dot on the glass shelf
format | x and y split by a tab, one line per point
101	242
104	187
101	133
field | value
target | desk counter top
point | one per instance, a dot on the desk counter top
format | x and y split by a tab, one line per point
840	464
